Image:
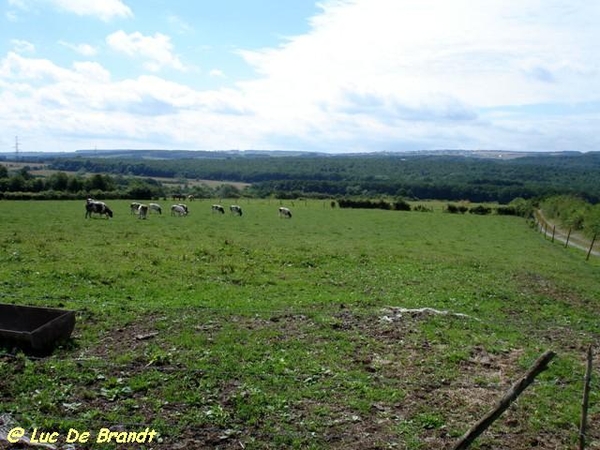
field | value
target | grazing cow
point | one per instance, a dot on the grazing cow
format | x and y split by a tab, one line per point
285	212
178	196
134	207
218	208
142	212
191	197
155	207
94	206
184	206
236	209
178	210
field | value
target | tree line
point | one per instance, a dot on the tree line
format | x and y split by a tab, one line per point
413	177
397	175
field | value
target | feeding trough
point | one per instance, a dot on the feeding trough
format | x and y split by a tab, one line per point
34	328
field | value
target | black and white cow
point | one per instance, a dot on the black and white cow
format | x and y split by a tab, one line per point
285	212
95	207
134	207
155	207
142	211
178	210
236	209
218	209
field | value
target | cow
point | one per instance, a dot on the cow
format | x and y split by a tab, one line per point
96	207
184	206
155	207
235	209
142	211
191	198
218	208
285	212
178	210
134	207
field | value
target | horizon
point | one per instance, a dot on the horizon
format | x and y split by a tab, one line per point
337	76
498	152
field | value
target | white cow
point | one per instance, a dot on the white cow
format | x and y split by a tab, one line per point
178	210
236	209
155	207
285	212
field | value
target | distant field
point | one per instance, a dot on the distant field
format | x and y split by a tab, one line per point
41	170
260	332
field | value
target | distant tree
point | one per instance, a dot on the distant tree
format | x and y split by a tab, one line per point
592	221
58	181
75	184
227	191
100	182
17	183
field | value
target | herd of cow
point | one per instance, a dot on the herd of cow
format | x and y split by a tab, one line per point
180	209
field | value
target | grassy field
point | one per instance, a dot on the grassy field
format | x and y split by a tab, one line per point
261	332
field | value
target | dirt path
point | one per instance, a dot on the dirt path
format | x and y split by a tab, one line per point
561	235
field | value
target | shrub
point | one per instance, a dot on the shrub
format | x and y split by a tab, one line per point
480	209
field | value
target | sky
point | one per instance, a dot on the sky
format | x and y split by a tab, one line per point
333	76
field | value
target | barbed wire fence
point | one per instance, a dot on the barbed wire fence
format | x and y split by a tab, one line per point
550	231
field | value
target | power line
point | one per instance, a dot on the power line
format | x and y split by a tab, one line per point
16	148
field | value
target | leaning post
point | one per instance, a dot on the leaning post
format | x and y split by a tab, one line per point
585	401
591	247
516	389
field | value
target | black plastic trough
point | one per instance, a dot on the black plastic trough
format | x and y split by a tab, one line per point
33	328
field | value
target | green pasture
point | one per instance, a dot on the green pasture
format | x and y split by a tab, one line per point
262	332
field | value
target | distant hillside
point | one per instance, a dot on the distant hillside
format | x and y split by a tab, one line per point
449	175
164	154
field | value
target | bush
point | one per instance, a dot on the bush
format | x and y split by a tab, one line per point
481	210
401	205
421	208
456	209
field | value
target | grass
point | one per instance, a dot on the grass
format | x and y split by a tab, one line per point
262	332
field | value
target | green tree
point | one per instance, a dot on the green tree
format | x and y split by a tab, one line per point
58	181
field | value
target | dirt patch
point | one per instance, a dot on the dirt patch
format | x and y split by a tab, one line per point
389	349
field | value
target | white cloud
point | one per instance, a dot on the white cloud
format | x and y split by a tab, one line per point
422	71
54	105
369	75
21	4
82	49
11	16
104	9
216	73
157	50
180	25
21	46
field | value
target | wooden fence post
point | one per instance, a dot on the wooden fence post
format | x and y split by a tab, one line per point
591	247
553	232
584	402
539	366
568	237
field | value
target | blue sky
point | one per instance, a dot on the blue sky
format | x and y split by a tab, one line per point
334	76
